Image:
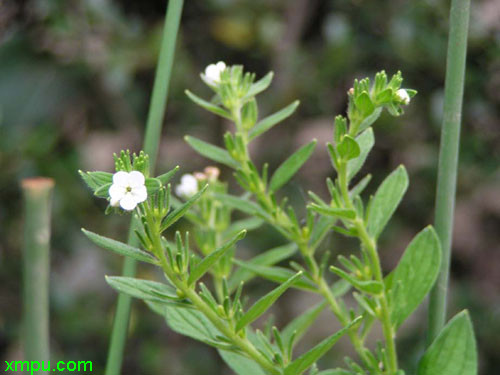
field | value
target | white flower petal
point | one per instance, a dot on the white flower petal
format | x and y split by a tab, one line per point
188	186
140	194
121	178
135	179
128	202
114	202
403	96
117	192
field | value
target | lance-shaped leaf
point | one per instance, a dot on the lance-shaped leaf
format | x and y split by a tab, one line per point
386	200
165	178
152	185
306	360
298	327
249	224
259	86
143	289
176	214
365	141
268	258
120	247
348	148
277	274
367	286
208	106
333	211
242	204
211	152
415	274
263	304
95	180
291	165
267	123
211	259
453	352
369	120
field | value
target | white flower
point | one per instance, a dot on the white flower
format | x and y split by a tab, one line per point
127	190
213	72
188	186
403	96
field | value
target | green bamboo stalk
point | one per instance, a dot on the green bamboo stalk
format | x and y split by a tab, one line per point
448	157
37	194
151	143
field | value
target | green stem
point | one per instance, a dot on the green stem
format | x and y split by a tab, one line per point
151	144
37	194
448	157
370	246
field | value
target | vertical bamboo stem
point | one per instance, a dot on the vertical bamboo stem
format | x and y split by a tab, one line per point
448	156
151	143
37	194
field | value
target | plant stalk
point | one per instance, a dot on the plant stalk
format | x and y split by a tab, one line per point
151	144
448	157
37	196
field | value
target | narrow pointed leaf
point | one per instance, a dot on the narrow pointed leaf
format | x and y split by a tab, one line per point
306	360
152	185
176	214
95	180
211	259
242	204
365	141
263	304
386	200
120	247
415	274
290	166
453	352
268	258
211	152
334	212
267	123
143	289
165	178
348	148
240	364
300	324
367	286
259	86
277	274
208	106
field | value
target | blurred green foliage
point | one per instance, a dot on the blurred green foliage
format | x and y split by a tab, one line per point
75	80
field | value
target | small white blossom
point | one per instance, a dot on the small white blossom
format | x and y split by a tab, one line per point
127	190
188	186
213	72
403	96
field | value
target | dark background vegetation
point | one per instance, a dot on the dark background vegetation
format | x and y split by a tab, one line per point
75	81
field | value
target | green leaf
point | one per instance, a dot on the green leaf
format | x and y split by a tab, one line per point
242	204
120	247
364	103
241	365
176	214
291	165
334	212
95	180
415	274
268	258
348	148
249	224
209	106
384	96
365	141
386	200
298	327
102	191
211	152
152	185
165	178
143	289
267	123
368	121
277	274
211	259
259	86
264	303
367	286
306	360
453	352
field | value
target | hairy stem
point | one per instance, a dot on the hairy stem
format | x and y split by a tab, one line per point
448	157
151	144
